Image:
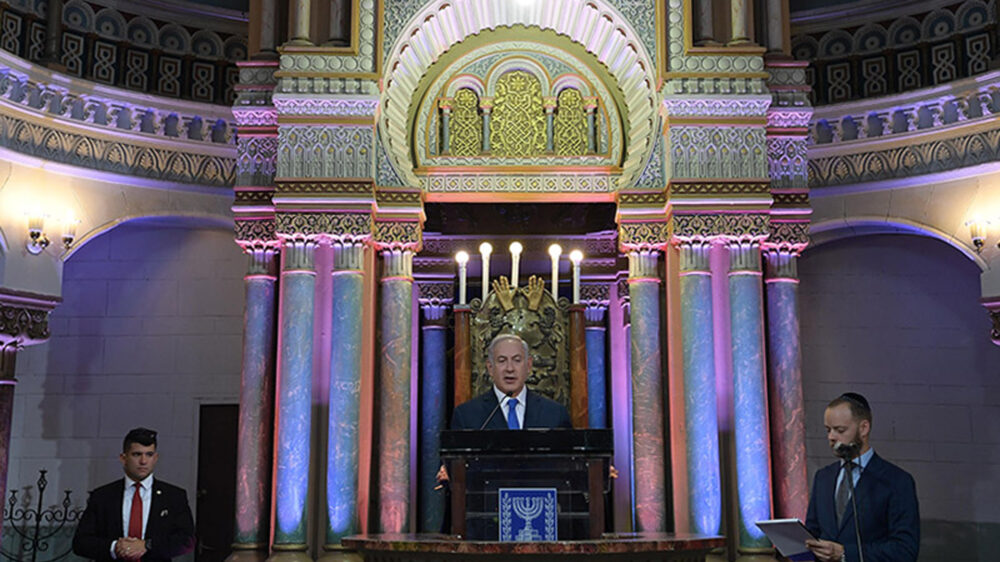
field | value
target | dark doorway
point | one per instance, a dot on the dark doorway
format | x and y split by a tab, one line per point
216	495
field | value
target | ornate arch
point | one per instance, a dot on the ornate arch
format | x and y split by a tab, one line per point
593	24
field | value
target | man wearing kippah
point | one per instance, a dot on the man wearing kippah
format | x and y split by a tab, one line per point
138	517
882	516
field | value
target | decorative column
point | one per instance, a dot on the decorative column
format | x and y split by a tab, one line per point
445	105
787	143
550	107
24	320
701	419
704	27
777	30
53	33
294	401
256	417
590	106
300	17
647	391
596	299
264	19
753	471
394	390
784	362
578	372
993	307
345	392
740	25
435	299
486	104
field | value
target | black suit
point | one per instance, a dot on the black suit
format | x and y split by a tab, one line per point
539	412
887	510
169	528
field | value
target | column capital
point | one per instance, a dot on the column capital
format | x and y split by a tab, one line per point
744	256
789	237
255	233
335	225
348	254
486	103
397	263
643	236
445	103
695	255
781	264
726	226
549	103
298	254
993	306
261	260
24	318
642	265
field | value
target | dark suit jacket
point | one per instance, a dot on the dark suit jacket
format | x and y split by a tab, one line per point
887	508
169	529
539	412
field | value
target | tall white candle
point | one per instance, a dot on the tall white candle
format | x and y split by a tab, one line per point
515	262
462	258
555	251
576	256
486	249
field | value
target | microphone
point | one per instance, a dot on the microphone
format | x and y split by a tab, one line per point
494	412
846	451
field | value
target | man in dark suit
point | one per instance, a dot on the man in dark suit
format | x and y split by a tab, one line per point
509	362
138	517
888	517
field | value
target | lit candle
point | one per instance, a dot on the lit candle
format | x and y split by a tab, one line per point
486	249
555	251
515	262
576	256
462	258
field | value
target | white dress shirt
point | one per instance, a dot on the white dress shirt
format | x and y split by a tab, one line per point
146	493
519	409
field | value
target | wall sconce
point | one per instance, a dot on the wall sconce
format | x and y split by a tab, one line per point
38	241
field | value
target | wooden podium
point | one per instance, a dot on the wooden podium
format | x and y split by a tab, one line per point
573	461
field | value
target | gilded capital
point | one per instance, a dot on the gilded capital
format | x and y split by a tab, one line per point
642	264
397	263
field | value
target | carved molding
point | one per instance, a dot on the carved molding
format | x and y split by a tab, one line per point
702	188
519	183
720	106
398	234
699	227
325	106
340	187
353	225
251	232
24	318
641	236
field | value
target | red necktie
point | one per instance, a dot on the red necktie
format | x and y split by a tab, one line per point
135	519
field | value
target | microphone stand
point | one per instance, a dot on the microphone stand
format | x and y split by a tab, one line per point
494	412
854	508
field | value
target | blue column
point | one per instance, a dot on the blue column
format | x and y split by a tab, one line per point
597	404
433	401
256	423
345	392
295	337
753	472
396	341
701	421
647	392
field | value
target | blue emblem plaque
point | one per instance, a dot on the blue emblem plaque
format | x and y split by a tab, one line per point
528	514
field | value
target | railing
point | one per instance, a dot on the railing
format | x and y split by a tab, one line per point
31	537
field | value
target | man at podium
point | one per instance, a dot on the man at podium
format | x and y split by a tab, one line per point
509	404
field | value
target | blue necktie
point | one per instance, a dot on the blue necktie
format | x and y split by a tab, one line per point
512	414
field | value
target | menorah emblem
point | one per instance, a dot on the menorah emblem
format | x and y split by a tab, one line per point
529	508
522	508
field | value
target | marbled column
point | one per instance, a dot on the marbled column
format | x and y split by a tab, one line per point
345	391
486	104
738	19
597	406
433	402
701	420
300	17
394	391
8	356
578	372
295	337
704	30
256	419
753	469
463	354
647	392
784	361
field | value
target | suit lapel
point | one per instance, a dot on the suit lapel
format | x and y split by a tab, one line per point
499	420
119	494
532	411
155	506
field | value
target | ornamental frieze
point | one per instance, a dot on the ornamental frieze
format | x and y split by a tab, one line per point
785	200
398	234
594	293
643	235
655	199
254	196
436	292
351	225
700	188
738	226
340	187
24	318
604	183
398	196
792	236
252	231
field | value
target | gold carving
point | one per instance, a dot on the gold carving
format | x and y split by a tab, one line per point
570	127
718	188
330	186
466	126
354	225
518	124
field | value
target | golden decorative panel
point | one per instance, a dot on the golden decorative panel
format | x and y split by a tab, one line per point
466	126
570	127
517	127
